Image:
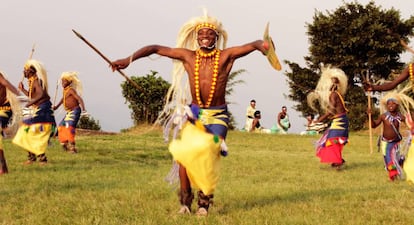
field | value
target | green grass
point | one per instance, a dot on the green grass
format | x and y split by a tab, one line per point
266	179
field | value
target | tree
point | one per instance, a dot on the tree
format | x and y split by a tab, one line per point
231	83
145	104
358	39
89	123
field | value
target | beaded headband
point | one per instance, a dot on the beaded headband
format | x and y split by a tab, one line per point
206	25
393	100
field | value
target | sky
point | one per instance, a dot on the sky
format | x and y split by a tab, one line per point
119	27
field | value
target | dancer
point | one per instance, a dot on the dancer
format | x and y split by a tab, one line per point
391	117
202	54
406	74
329	92
39	122
251	109
74	106
9	104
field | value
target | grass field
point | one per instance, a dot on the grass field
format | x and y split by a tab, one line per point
266	179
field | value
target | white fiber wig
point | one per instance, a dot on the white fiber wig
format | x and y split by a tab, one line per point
40	71
72	77
179	93
323	88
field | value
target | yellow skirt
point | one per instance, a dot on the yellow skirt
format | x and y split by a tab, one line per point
199	153
409	164
33	138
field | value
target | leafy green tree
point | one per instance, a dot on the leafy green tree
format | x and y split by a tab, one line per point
89	123
358	39
147	102
231	83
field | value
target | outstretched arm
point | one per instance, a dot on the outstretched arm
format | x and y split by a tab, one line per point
240	51
8	85
174	53
389	85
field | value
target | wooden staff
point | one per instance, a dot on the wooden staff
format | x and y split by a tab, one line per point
56	91
369	115
33	49
107	60
30	57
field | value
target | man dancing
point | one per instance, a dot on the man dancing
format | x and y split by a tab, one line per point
329	93
202	54
39	123
8	104
74	106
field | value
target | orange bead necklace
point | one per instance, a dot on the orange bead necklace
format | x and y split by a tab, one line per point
199	54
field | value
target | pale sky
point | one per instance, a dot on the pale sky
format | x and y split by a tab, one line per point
119	27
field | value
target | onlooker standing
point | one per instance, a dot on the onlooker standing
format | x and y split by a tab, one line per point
251	109
74	106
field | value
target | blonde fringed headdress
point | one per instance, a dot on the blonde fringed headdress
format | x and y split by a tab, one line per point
405	102
323	88
40	71
179	93
187	36
72	77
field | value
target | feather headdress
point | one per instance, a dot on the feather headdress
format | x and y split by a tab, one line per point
179	93
40	71
398	95
323	88
75	83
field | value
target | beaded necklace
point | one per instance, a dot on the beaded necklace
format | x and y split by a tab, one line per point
65	91
199	54
410	70
31	80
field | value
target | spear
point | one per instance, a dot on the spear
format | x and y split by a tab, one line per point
30	57
56	91
107	60
31	53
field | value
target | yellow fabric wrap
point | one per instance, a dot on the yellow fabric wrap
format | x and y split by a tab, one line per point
33	138
200	155
409	164
1	140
